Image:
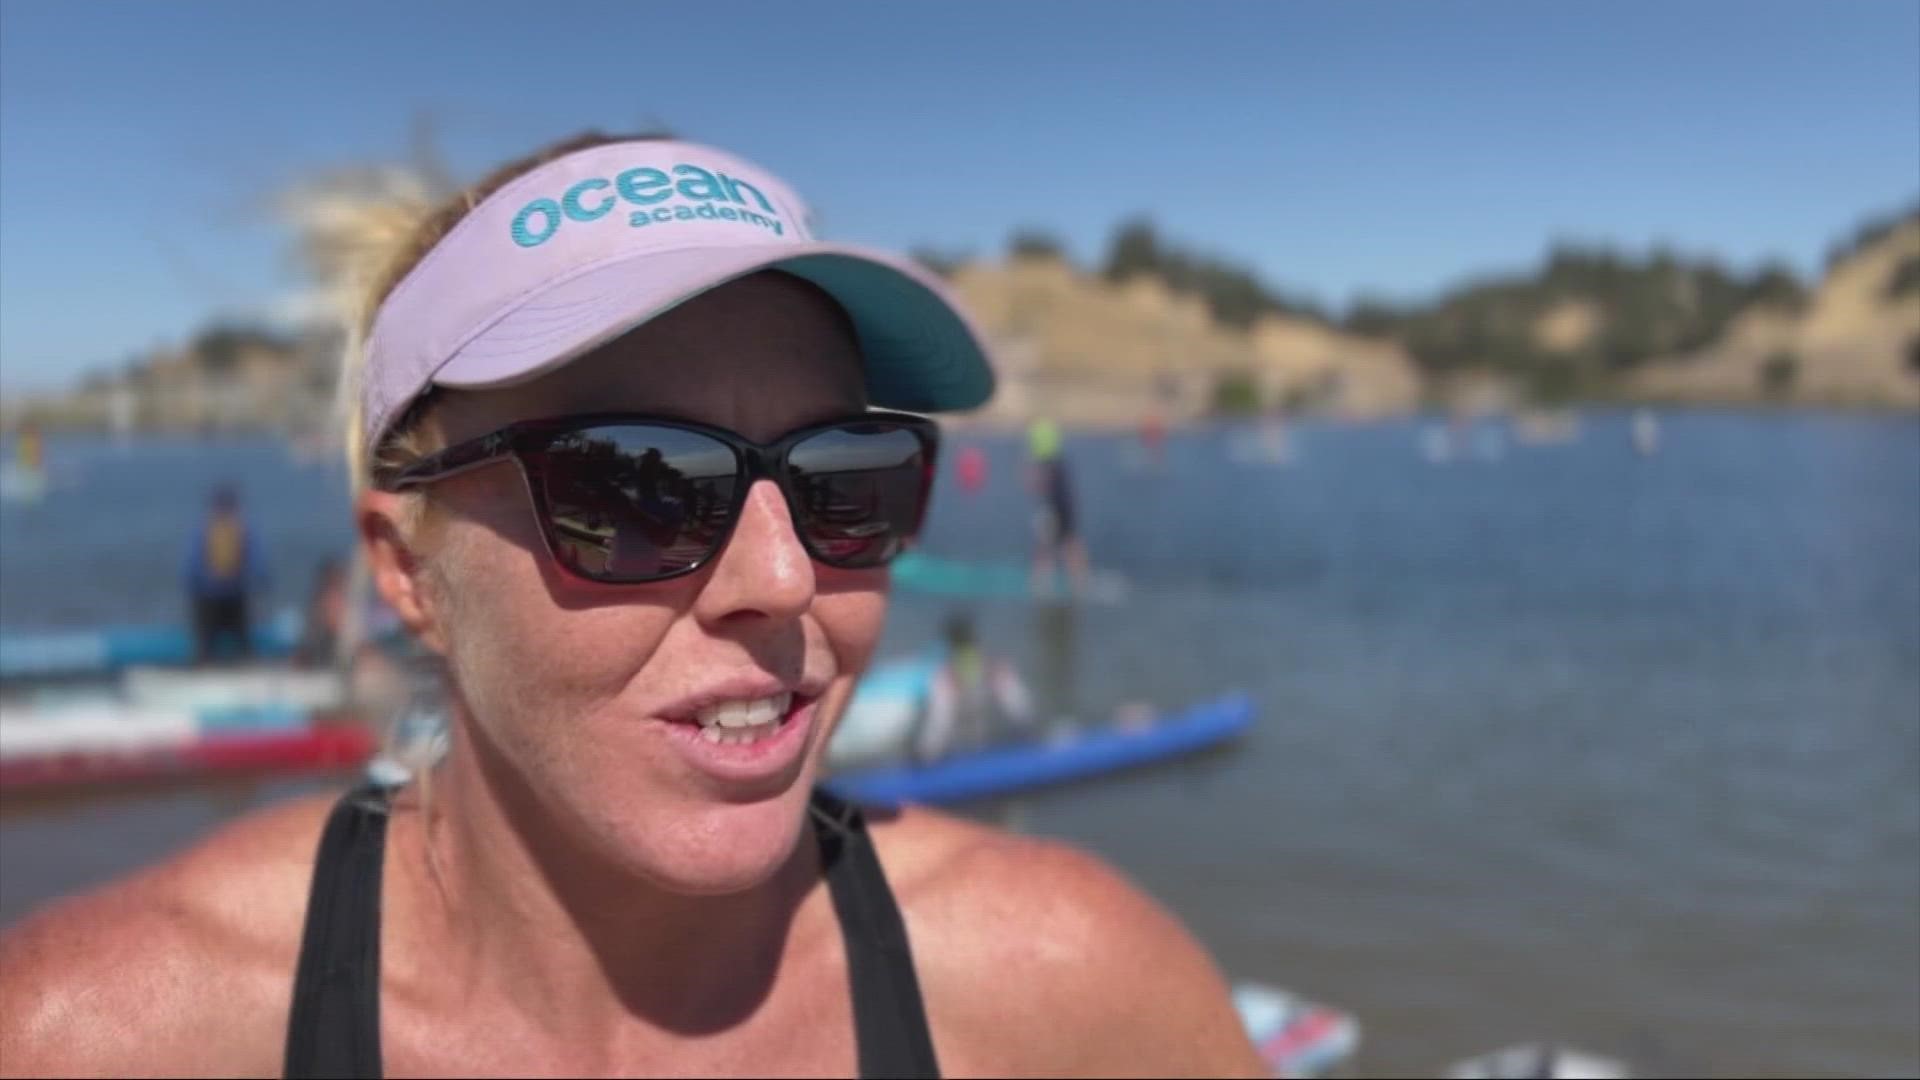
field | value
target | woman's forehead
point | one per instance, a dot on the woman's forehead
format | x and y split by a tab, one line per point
763	355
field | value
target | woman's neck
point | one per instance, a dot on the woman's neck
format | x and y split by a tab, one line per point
586	944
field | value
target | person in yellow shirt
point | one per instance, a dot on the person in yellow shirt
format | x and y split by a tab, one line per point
29	452
223	565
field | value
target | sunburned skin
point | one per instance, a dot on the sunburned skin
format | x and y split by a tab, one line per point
585	893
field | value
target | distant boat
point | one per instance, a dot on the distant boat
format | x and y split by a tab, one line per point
1488	443
1544	428
120	414
1436	444
1538	1061
1646	433
1460	439
1269	444
21	484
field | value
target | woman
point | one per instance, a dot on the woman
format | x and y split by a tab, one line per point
622	867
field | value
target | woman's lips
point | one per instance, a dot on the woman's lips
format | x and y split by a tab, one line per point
746	749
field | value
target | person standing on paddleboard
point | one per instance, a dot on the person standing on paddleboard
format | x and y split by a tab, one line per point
223	566
1056	525
30	449
623	864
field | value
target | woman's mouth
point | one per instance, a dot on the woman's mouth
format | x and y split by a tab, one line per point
743	722
744	739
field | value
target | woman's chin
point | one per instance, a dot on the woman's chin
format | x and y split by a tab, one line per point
715	848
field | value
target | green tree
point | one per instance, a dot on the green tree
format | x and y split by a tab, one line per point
1870	232
1030	243
1779	373
1134	249
1775	285
1233	293
1374	317
1553	384
939	262
1236	393
1905	278
219	348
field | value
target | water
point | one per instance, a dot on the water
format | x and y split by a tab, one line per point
1572	745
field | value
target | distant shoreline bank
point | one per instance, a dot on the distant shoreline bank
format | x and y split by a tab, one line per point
1002	424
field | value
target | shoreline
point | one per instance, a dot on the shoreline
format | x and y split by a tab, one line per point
1010	424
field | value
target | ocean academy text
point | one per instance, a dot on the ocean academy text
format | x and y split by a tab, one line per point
645	188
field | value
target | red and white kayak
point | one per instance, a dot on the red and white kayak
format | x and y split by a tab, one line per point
272	753
161	724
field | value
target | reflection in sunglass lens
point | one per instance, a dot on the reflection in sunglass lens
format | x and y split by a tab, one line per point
859	490
636	501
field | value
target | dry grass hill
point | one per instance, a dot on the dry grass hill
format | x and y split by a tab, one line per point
1089	351
1855	342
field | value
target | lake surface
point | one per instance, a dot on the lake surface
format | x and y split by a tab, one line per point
1554	742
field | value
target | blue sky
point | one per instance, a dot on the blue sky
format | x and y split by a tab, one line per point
1339	149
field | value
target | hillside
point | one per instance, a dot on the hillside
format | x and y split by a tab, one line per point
1856	341
1188	333
1157	329
227	378
1090	351
1586	318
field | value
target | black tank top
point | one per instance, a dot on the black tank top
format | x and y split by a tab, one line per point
334	1028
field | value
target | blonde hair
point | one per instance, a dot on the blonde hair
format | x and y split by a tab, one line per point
361	233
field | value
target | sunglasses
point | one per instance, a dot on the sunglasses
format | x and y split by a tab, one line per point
628	499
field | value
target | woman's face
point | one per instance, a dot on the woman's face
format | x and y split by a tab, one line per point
586	698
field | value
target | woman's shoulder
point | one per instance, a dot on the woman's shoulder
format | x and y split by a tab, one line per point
1045	953
185	966
1034	899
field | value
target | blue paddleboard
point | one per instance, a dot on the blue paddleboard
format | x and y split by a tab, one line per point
1005	769
54	654
916	571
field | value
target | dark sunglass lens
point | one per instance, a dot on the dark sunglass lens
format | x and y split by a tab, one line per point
631	502
860	490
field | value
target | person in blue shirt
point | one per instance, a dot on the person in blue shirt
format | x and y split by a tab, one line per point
223	564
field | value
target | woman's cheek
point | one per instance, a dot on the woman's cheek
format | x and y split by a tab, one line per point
851	609
516	653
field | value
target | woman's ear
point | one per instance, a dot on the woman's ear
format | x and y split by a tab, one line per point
388	530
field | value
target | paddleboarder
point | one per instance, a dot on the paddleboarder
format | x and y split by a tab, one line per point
224	564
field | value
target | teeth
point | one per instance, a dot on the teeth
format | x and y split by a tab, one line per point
742	721
714	733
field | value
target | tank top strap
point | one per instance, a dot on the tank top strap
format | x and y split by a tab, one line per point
333	1029
889	1018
